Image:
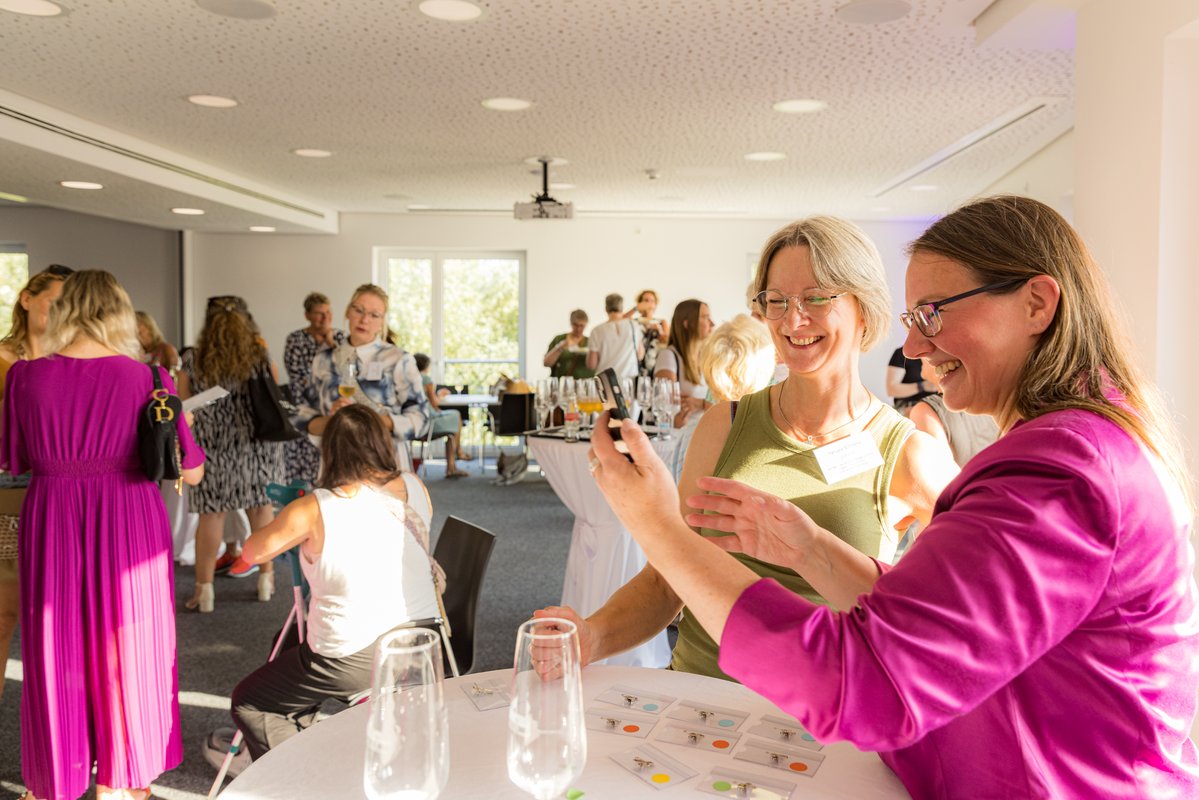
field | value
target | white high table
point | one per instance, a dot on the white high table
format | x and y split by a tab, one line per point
603	555
325	761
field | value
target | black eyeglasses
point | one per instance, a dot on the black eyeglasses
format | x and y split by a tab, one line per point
927	316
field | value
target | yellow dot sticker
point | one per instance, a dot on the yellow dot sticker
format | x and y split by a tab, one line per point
660	777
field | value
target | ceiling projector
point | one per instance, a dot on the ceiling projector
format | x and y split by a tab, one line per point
544	206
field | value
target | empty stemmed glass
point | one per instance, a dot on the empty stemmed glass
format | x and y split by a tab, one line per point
645	394
407	730
542	400
554	397
661	407
547	740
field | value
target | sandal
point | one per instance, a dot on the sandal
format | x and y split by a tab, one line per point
203	599
457	474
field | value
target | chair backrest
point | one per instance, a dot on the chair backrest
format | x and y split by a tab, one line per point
517	414
418	498
463	550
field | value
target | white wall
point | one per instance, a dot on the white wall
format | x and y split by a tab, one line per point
569	264
145	260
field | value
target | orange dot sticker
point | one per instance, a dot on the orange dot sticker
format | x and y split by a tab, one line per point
631	728
798	766
720	744
660	777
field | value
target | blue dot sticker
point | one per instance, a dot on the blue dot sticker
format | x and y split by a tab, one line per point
650	706
807	737
726	723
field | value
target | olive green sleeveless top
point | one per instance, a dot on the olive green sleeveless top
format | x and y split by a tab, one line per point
855	509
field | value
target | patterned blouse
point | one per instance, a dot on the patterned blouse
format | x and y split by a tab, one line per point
388	382
298	353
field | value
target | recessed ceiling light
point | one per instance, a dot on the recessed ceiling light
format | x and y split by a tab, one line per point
450	10
506	103
923	187
562	186
765	156
211	100
311	152
188	212
13	198
418	207
239	9
873	12
81	184
803	106
262	229
554	161
31	8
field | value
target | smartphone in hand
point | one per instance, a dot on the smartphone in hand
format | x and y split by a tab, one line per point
614	402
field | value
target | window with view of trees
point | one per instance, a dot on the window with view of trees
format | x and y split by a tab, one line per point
14	274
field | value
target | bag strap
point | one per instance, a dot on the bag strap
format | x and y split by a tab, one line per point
414	525
157	377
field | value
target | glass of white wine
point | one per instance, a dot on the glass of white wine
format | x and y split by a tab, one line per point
547	738
407	729
348	383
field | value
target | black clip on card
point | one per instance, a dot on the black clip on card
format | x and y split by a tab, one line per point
614	402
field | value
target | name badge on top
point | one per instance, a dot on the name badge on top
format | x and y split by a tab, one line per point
374	371
847	457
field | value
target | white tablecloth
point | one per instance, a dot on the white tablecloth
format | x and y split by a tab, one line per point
326	760
603	556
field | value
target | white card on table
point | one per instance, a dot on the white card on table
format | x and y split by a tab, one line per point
847	457
692	713
653	766
621	723
794	760
488	694
724	782
374	371
788	731
698	737
636	700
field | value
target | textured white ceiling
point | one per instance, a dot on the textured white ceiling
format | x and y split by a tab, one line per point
684	87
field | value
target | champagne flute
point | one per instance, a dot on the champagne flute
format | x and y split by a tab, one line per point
645	395
348	383
547	740
661	407
555	397
407	729
541	401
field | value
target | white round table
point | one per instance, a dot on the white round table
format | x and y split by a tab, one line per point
326	760
603	555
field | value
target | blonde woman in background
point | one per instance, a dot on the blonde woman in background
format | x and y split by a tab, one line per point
228	353
98	617
156	350
30	316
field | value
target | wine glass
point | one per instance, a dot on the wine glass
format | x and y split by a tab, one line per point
676	399
645	394
661	407
547	740
541	400
555	397
407	730
347	379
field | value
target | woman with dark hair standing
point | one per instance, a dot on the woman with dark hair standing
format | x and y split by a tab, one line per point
364	552
302	457
97	582
30	317
228	353
679	360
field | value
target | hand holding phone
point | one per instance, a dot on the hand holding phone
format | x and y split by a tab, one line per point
614	402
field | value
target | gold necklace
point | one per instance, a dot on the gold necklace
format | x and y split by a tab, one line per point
811	437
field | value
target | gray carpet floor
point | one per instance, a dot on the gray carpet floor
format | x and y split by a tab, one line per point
532	530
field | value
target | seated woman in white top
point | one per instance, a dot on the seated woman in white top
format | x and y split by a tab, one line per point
690	325
364	552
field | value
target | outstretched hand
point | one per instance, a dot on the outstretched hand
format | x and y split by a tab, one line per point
764	527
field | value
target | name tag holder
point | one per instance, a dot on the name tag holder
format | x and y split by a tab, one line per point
847	457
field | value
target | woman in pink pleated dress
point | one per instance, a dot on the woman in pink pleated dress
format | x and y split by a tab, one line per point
97	586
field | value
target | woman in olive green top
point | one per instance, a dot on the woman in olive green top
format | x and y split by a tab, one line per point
567	355
818	439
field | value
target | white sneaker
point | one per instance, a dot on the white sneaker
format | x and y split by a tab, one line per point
217	745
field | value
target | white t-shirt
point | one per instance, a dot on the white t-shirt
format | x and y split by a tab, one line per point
371	575
616	343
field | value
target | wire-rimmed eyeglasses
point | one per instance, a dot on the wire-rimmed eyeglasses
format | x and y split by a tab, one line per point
815	303
927	316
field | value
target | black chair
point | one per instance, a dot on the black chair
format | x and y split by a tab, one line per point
463	550
517	413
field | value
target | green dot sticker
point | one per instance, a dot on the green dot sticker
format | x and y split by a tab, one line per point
722	786
660	777
574	794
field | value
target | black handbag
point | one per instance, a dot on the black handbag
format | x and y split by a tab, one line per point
271	422
157	436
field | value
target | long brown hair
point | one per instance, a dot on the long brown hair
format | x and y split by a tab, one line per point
228	349
356	448
684	337
17	338
1084	359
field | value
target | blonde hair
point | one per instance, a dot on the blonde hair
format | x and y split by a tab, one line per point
1084	359
737	359
843	259
93	305
152	327
376	291
228	349
17	338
